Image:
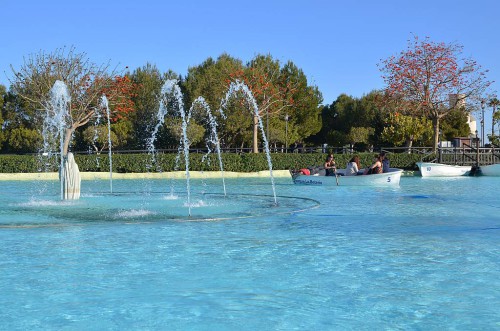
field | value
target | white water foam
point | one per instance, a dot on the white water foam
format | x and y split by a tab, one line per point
198	204
171	197
45	203
134	213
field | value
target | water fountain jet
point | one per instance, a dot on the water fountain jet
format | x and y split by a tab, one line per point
105	105
56	127
240	86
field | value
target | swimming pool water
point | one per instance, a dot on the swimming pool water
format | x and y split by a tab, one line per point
424	255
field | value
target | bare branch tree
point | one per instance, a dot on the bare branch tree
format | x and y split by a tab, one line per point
86	83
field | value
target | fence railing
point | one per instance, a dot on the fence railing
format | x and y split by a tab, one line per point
469	155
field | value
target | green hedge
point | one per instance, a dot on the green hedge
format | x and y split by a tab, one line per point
125	163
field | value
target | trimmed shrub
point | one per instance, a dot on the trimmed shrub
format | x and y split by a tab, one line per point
138	163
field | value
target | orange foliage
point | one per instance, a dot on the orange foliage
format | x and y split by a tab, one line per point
119	94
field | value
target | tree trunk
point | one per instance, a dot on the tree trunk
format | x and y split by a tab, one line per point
435	124
409	144
493	123
67	139
255	134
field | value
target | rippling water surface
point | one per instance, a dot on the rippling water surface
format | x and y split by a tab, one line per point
422	256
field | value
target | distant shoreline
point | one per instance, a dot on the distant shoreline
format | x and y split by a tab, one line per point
163	175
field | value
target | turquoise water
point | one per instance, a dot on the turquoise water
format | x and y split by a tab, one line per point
423	256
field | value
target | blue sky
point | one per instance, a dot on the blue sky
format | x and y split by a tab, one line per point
336	43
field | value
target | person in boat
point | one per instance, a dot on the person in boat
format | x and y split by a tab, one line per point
330	166
305	171
385	162
376	167
353	166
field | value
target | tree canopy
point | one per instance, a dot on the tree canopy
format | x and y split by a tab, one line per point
86	83
427	73
419	83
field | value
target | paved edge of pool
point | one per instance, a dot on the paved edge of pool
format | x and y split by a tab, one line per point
172	174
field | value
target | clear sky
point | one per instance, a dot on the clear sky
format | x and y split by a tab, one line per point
336	43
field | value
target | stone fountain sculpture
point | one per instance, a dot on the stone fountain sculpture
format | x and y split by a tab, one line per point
70	177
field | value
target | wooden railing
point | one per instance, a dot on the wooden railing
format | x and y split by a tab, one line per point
469	155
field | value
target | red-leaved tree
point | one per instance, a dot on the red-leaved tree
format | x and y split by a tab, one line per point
120	92
433	79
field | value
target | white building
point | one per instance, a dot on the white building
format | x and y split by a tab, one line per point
459	101
472	125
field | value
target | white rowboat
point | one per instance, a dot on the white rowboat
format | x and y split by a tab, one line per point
390	178
429	169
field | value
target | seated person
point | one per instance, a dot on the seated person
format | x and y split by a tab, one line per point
330	166
353	166
305	171
375	168
385	162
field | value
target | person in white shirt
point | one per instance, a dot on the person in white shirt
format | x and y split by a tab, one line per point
353	166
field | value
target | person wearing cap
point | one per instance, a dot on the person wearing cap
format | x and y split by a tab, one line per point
330	166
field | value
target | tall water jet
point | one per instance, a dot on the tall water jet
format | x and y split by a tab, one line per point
171	89
213	137
150	143
105	105
55	128
172	96
160	116
97	122
240	86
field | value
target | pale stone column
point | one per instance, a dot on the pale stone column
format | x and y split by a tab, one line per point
71	179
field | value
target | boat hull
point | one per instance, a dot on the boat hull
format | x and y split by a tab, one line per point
390	178
428	169
491	170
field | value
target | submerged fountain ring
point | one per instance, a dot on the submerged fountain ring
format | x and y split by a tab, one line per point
270	209
133	208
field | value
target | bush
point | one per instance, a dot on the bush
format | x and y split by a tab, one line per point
138	163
